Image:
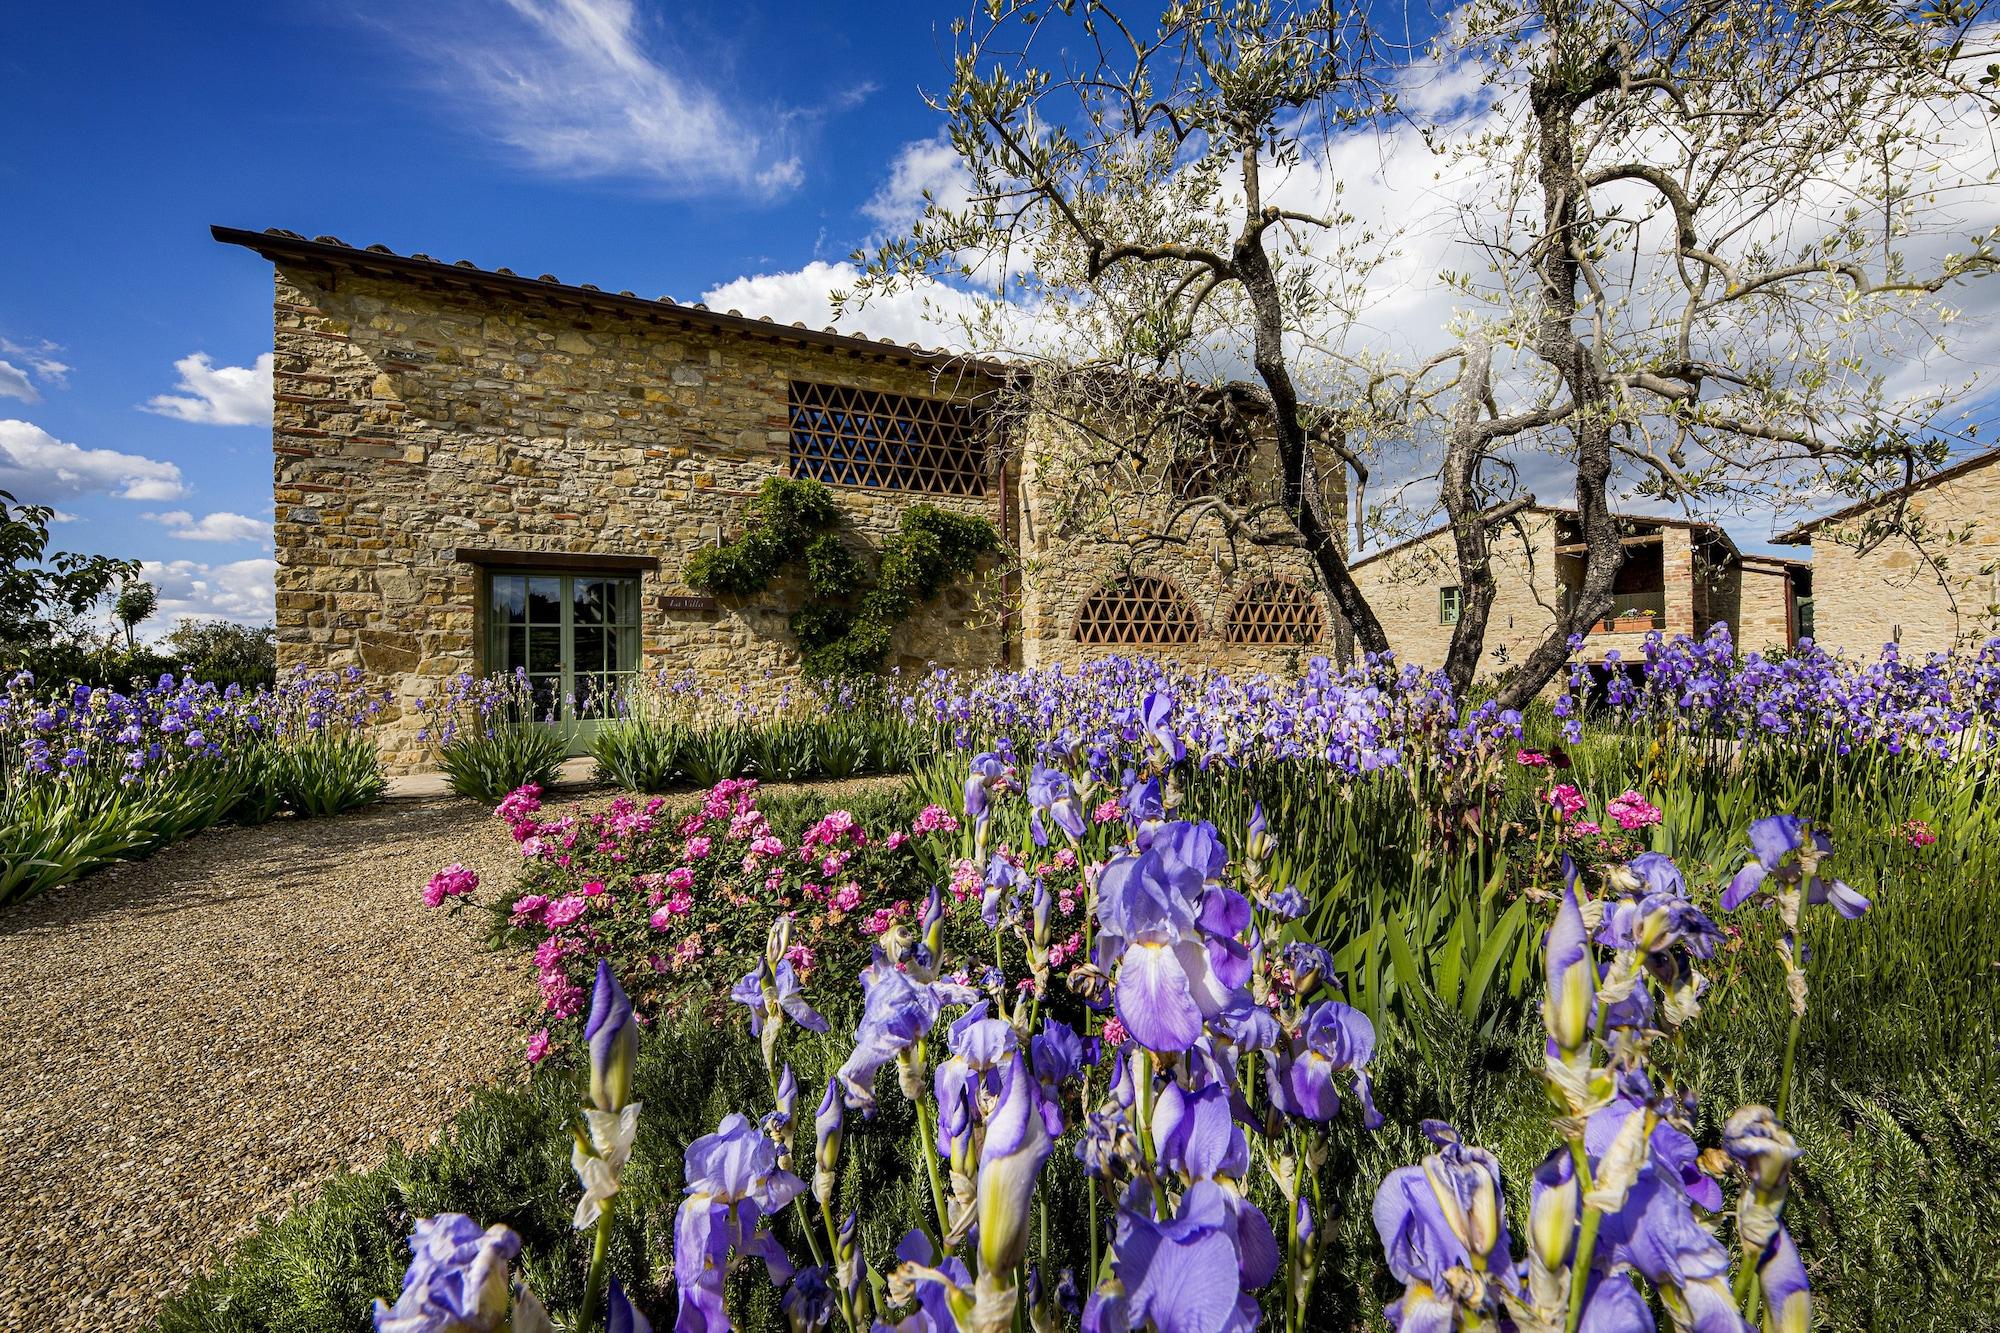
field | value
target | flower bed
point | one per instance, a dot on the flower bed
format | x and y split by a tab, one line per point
682	904
91	776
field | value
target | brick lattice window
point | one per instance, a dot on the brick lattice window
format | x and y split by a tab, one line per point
863	437
1275	611
1139	609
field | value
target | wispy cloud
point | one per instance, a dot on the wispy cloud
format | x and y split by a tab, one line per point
213	395
579	88
244	591
221	526
36	361
36	466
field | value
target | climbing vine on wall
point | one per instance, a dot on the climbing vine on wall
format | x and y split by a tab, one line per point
846	628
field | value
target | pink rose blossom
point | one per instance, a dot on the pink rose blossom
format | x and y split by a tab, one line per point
1632	811
697	848
801	956
538	1046
454	881
529	904
895	840
1114	1034
1918	833
1566	799
593	888
1108	812
1531	759
848	898
563	911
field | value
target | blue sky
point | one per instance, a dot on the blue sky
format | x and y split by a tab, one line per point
734	153
496	132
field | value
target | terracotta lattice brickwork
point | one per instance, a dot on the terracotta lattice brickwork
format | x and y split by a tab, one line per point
1275	611
1139	609
892	441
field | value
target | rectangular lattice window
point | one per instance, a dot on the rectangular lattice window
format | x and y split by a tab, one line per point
863	437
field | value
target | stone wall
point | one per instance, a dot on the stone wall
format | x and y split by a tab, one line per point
1762	596
1081	528
413	422
1404	585
1928	598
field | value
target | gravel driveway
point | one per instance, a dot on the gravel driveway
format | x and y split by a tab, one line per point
188	1040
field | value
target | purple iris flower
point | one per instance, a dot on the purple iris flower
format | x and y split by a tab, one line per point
934	1289
1334	1037
783	981
1004	879
1658	921
1171	973
1156	714
1773	840
896	1012
1786	1292
1612	1304
456	1281
733	1183
1258	844
1050	790
987	769
1571	1002
1057	1055
808	1302
621	1316
1011	1156
1143	803
1179	1276
980	1047
1444	1214
613	1034
1669	1149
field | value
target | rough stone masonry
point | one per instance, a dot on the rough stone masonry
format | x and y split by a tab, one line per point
436	424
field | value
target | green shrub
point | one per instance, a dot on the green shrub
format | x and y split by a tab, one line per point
326	773
641	754
512	753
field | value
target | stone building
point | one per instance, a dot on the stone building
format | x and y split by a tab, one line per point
478	471
1919	567
1679	577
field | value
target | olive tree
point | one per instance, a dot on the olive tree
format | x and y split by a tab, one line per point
1691	239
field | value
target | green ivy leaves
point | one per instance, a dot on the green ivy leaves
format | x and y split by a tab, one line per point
846	629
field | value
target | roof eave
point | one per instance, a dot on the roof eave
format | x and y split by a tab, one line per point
280	247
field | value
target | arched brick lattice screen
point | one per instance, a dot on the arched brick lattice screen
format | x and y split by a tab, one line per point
1275	611
863	437
1138	609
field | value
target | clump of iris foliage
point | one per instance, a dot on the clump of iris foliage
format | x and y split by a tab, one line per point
492	734
1427	840
89	776
669	730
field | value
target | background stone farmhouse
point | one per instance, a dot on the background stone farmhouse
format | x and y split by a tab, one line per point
477	471
1679	577
1919	567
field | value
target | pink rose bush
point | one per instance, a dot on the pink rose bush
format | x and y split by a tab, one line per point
680	902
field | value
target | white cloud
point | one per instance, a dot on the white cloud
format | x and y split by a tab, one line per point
927	316
39	359
572	85
924	166
217	527
36	466
244	591
14	383
215	395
